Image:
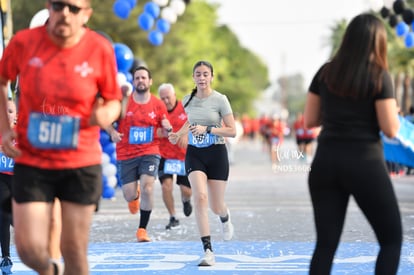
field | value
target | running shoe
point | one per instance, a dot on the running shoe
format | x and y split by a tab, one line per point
142	235
208	259
6	265
174	223
187	208
228	228
133	206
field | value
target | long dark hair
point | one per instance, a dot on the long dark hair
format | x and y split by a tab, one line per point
196	65
357	68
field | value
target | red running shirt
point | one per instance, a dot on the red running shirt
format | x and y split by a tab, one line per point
140	115
56	81
177	118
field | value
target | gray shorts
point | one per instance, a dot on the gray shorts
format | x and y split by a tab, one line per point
131	169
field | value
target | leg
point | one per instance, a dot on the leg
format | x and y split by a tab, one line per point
167	195
76	222
130	190
147	192
198	182
186	194
31	231
376	198
329	207
56	228
216	190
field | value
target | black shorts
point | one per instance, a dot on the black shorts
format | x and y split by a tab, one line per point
212	160
5	192
80	185
181	180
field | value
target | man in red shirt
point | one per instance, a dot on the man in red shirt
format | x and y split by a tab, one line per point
137	149
173	157
68	90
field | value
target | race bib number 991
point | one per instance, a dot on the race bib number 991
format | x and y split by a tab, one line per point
141	135
53	132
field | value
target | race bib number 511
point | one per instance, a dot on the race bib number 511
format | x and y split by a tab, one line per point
53	132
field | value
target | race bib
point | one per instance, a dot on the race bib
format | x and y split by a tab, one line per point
141	135
300	132
53	132
6	163
201	141
174	166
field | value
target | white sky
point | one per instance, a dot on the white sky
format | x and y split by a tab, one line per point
289	35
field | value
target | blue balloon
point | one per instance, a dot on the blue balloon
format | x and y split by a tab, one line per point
152	8
401	29
122	8
132	3
124	57
409	40
163	25
109	148
108	192
145	21
104	138
155	37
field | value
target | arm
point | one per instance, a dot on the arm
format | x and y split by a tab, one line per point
114	134
387	116
105	112
7	133
228	129
174	137
312	113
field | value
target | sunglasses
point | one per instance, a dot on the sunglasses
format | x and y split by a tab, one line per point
59	6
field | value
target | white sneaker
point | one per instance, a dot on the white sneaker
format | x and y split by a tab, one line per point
228	228
208	259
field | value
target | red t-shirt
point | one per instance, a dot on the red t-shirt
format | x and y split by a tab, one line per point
144	116
177	118
57	81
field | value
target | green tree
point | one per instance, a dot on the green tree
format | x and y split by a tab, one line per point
196	35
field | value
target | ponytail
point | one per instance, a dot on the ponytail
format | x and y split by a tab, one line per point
193	92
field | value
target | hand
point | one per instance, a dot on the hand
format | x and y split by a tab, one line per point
116	136
8	144
197	129
173	137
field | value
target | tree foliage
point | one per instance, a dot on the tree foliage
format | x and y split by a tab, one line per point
238	73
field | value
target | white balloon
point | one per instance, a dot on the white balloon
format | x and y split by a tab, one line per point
160	3
178	6
109	170
112	181
105	159
169	14
39	19
121	78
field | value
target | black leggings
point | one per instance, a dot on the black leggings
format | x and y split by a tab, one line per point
5	213
338	171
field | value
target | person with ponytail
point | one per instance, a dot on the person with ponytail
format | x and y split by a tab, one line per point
209	121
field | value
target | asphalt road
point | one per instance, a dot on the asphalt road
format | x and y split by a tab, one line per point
265	205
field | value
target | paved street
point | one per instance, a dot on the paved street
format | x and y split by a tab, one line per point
272	215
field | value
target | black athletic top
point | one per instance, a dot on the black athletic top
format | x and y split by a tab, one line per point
344	118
